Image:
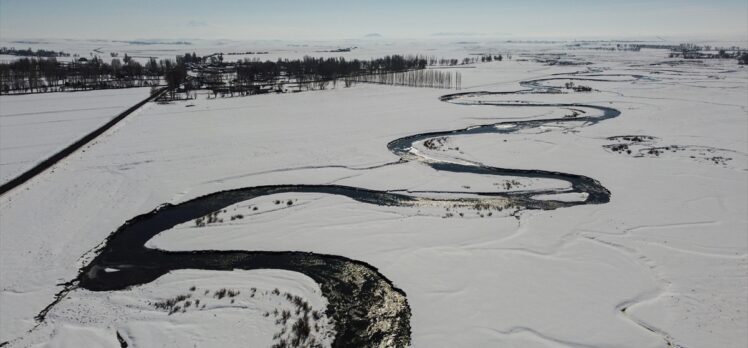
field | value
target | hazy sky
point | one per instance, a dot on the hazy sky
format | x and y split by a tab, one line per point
327	19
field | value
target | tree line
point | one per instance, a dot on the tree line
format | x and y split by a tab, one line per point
413	78
743	59
31	53
314	69
248	76
256	76
39	75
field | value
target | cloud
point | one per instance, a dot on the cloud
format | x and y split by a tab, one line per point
194	23
458	34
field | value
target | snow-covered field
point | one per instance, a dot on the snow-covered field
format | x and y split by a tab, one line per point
665	262
35	126
144	317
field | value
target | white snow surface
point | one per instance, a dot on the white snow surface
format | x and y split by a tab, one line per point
665	262
35	126
88	319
